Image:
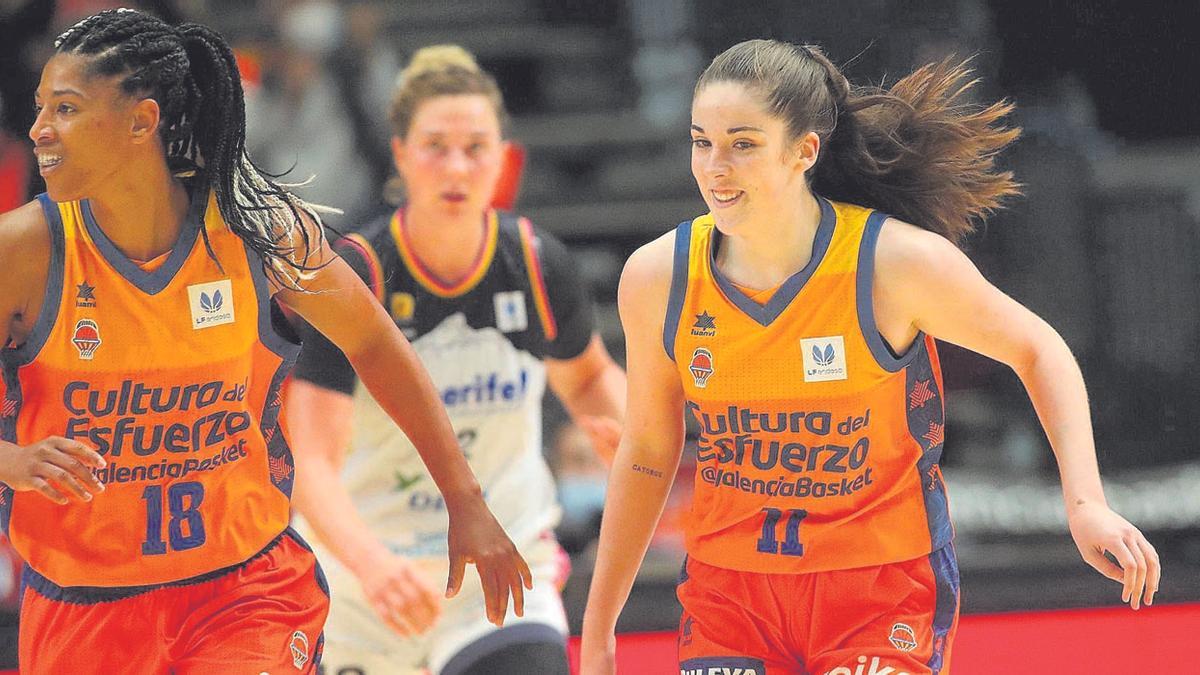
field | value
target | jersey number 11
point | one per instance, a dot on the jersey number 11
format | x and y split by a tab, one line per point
769	541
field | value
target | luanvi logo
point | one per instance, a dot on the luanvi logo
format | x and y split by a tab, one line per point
85	295
705	326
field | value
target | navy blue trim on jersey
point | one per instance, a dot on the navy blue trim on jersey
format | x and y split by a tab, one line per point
944	562
271	337
724	664
91	595
52	299
884	356
519	634
679	284
10	407
281	466
156	280
318	572
10	404
6	495
766	314
927	425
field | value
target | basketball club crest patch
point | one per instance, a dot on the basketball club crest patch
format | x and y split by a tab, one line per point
86	338
701	366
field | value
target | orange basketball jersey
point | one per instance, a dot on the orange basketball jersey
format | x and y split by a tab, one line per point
818	448
172	374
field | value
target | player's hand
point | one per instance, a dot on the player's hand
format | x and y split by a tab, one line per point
598	654
400	594
58	468
1098	529
603	432
476	537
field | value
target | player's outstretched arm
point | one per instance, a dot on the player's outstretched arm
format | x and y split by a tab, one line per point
647	455
320	424
338	304
932	286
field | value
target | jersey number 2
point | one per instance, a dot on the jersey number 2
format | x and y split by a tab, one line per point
183	504
769	542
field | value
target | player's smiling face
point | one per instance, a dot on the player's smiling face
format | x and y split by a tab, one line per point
742	158
83	123
452	156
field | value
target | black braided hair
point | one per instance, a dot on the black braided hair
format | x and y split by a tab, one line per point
192	73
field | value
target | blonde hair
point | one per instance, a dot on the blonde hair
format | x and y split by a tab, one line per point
440	70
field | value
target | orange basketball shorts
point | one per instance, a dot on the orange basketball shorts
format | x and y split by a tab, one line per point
265	615
894	619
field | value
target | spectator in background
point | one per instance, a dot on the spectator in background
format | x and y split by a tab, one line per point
365	65
296	121
22	25
16	167
666	59
581	477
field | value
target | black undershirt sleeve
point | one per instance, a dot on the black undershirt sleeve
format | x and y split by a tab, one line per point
570	299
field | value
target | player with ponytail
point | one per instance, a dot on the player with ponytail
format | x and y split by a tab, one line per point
795	324
144	475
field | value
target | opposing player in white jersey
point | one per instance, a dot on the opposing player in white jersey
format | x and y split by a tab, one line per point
495	313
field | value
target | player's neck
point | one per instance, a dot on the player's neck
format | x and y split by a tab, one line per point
143	212
771	246
449	247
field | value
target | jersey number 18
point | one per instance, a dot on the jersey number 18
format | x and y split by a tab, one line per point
183	505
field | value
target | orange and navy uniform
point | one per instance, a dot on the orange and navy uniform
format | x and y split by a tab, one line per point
171	371
818	446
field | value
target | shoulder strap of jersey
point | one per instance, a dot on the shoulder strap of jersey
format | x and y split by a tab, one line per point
52	298
865	280
537	280
679	284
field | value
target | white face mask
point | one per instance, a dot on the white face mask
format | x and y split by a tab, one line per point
314	27
581	496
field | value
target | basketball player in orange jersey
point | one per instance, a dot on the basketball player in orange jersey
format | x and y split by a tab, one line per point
797	328
497	318
145	477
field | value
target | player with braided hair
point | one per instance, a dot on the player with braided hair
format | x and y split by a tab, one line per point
192	73
144	477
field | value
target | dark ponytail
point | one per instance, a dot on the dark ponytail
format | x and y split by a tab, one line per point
918	151
192	73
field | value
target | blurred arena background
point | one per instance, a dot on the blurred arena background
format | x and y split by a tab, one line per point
1104	244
